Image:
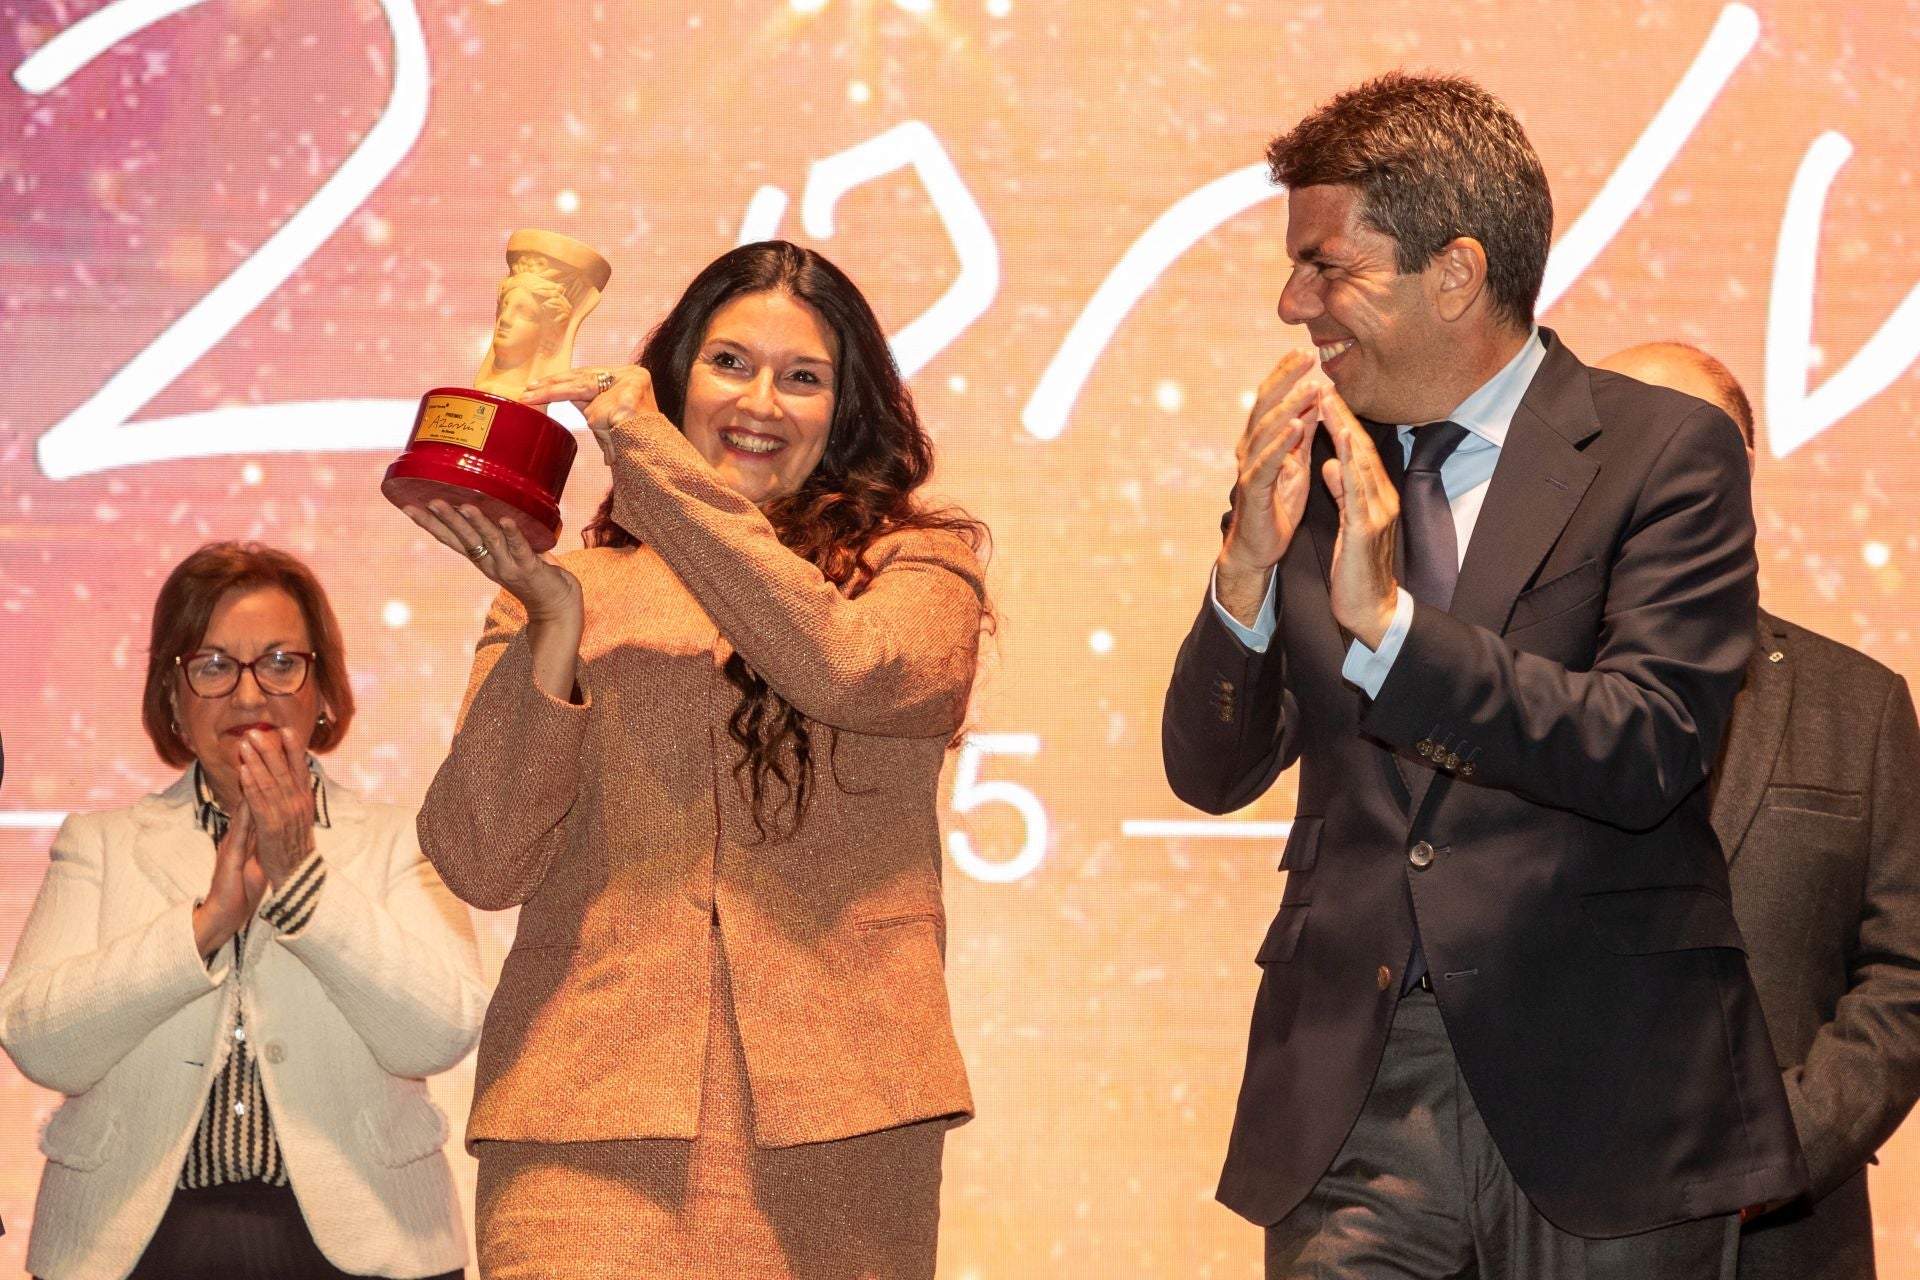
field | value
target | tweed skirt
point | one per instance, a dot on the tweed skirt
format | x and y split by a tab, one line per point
862	1208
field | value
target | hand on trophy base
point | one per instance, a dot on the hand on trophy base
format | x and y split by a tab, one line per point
507	458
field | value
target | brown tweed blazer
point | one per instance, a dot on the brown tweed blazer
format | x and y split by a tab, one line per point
619	829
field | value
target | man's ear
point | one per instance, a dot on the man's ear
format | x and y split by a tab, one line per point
1457	277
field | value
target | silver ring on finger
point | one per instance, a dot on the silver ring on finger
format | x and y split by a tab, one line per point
479	553
603	381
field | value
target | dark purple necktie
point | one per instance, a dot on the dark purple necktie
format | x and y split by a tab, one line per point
1432	552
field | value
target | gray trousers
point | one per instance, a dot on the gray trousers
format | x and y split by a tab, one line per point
1418	1192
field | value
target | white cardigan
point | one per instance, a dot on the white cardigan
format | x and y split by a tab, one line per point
109	1002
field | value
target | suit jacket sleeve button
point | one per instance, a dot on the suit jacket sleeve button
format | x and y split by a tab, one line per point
1424	747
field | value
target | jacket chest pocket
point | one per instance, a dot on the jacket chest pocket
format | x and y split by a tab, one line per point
1825	835
1560	617
1819	801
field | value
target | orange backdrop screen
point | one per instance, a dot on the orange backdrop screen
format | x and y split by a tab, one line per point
238	240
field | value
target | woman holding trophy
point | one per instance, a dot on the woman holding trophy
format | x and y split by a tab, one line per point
701	756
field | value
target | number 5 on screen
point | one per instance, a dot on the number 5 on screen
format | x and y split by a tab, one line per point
969	793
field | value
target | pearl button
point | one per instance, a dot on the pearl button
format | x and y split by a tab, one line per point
239	1108
239	1033
1421	854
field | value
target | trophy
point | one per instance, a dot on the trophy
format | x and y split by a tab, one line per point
479	445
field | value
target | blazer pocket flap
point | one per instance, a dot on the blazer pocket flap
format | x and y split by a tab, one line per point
1835	804
77	1136
1283	935
399	1135
1303	845
896	920
1536	604
1633	922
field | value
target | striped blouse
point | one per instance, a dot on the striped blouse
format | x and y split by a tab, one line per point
235	1140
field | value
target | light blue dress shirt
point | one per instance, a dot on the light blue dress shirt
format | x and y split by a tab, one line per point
1486	414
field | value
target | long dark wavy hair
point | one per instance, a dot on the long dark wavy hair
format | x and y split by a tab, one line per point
877	456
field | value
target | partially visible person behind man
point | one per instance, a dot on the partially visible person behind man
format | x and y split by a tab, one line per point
1504	1027
1818	814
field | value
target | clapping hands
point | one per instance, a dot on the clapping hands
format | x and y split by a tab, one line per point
269	834
1270	500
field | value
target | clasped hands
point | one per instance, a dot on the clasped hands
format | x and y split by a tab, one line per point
269	834
1274	459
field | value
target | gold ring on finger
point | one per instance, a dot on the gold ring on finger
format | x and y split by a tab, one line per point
603	381
479	553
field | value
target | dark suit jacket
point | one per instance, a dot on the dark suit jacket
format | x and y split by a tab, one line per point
1817	808
1575	914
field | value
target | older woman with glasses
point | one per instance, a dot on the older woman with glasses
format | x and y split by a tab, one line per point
240	983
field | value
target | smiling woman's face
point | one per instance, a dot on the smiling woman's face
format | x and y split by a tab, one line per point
245	625
760	394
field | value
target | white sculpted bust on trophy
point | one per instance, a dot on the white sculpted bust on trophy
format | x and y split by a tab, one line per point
479	444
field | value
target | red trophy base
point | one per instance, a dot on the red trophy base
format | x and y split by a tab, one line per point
504	457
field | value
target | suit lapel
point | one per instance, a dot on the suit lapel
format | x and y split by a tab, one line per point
1386	443
1755	734
1323	517
1323	525
340	843
170	849
1537	485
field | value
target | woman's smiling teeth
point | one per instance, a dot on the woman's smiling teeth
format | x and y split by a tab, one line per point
752	443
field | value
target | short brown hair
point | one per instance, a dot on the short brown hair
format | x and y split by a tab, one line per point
185	607
1433	157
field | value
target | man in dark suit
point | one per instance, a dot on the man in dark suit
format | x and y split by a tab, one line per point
1817	810
1505	1028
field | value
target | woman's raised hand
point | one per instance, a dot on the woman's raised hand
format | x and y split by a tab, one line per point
503	555
556	610
608	397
